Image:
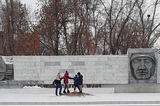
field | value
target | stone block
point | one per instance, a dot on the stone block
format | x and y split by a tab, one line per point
81	59
19	78
94	58
52	63
65	63
77	63
90	63
103	59
45	78
64	70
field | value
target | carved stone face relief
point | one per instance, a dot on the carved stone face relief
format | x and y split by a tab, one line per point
142	66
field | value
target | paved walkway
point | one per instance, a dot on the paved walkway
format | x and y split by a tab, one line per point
96	99
51	99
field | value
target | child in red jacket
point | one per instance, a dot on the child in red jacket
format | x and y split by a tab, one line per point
66	77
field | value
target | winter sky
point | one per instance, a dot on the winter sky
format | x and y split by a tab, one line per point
31	2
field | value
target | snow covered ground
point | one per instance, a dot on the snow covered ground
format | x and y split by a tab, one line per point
98	97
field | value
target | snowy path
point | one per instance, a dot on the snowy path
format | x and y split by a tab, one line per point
96	99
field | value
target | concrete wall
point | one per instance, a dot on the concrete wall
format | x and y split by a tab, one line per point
96	69
103	69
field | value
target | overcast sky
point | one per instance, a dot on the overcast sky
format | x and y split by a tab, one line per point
33	2
31	5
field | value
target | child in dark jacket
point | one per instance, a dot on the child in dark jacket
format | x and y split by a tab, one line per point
80	81
57	81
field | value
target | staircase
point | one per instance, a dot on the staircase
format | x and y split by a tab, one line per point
9	72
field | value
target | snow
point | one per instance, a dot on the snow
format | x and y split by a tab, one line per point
31	87
96	98
86	98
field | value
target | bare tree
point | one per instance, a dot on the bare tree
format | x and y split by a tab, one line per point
124	28
116	22
84	35
79	27
52	21
149	26
14	24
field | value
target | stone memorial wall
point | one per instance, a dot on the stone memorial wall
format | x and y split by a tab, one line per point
137	71
103	69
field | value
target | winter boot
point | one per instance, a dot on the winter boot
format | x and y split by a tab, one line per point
64	92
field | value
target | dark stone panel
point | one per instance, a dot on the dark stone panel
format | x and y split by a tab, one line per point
64	70
52	64
78	63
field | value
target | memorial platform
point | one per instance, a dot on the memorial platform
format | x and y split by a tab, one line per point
97	97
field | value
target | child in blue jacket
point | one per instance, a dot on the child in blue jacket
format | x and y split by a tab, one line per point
75	79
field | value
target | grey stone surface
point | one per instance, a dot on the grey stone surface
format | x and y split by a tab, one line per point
2	103
18	84
64	70
2	69
142	65
52	64
105	69
97	69
12	103
77	63
28	103
134	88
94	98
128	103
6	70
2	65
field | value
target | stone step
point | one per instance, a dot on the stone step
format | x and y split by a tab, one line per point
92	103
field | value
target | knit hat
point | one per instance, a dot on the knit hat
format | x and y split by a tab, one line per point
78	73
67	73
